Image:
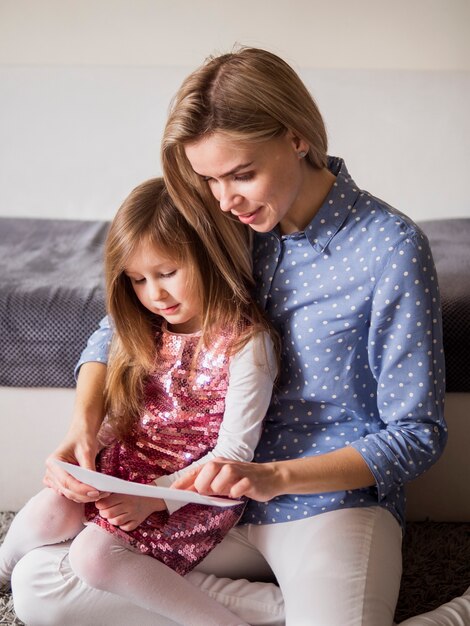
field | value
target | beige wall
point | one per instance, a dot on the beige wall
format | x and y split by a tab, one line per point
397	34
85	87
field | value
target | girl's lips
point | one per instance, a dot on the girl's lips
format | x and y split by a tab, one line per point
169	310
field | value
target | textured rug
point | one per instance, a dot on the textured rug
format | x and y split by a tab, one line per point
436	568
7	614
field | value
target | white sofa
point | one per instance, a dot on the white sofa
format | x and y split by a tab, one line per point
33	422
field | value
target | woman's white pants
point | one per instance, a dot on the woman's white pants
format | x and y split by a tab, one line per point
453	613
341	568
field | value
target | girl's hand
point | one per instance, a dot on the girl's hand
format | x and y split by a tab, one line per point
128	512
223	477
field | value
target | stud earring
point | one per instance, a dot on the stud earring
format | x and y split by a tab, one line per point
302	154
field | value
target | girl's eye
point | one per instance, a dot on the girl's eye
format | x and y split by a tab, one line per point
168	274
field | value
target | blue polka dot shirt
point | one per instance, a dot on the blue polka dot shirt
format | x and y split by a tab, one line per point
355	299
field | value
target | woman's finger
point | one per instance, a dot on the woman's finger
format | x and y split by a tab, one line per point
67	485
204	480
186	481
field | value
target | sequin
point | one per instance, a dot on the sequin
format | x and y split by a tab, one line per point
179	424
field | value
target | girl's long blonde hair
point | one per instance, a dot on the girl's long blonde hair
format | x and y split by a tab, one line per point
250	95
149	217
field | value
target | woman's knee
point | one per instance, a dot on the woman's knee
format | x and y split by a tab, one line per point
22	583
37	587
46	592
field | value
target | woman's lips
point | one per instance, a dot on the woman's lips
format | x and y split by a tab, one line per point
248	218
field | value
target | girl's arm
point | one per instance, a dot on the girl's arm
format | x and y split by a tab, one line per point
251	375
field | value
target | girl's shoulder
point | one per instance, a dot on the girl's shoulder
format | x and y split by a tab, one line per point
258	352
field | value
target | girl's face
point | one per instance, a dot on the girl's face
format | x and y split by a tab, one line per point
163	286
262	184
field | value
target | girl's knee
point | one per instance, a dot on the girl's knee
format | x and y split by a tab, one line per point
89	557
54	518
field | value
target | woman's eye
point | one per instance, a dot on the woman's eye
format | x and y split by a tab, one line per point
243	177
138	281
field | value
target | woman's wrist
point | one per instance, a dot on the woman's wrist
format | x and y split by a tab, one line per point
281	478
334	471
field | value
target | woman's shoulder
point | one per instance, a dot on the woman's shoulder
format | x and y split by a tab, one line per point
378	219
380	236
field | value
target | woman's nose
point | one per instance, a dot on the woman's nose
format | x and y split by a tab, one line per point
228	200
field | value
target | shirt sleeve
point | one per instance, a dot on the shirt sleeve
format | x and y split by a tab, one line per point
406	357
97	348
252	372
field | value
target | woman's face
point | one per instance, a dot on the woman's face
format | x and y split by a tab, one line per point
262	184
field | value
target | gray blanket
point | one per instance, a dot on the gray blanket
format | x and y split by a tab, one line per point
51	298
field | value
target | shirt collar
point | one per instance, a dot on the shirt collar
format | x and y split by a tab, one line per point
336	207
334	210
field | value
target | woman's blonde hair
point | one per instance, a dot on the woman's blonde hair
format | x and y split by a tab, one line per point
250	95
149	217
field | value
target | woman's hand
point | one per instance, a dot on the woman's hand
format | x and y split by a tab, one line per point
223	477
128	512
334	471
78	450
80	446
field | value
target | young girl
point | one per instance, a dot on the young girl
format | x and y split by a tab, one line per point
189	379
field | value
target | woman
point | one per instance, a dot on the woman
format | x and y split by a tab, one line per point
350	285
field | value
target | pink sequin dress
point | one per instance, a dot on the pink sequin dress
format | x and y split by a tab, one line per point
179	424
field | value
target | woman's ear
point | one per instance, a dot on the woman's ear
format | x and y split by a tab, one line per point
299	145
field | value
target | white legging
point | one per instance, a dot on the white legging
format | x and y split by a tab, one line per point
342	567
105	563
